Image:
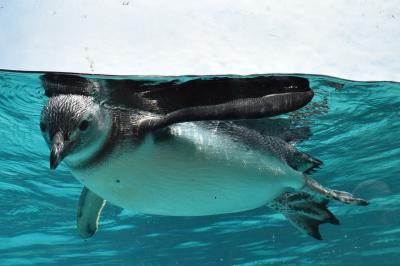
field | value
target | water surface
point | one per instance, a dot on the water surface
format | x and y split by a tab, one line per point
354	127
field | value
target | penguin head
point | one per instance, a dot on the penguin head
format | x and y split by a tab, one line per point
70	125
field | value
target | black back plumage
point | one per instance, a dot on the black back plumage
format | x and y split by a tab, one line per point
164	95
171	100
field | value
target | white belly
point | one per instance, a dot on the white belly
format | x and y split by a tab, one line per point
199	173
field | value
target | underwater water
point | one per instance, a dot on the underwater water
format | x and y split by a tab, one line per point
354	130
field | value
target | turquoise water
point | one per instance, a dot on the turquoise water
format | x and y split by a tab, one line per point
355	130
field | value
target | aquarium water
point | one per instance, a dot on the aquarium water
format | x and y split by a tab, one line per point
354	129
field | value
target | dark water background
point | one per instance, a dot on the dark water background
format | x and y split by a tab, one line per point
355	130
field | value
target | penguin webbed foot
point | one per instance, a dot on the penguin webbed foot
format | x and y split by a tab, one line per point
327	193
305	212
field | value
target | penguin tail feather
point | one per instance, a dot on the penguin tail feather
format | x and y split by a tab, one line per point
305	212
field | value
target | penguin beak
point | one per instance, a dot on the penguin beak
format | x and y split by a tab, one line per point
57	150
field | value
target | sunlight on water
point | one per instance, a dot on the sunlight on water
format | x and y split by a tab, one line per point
355	131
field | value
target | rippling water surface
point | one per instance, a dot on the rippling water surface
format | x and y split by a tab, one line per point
355	130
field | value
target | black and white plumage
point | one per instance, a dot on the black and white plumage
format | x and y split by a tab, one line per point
181	146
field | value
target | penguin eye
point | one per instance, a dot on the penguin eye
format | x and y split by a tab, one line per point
83	125
42	127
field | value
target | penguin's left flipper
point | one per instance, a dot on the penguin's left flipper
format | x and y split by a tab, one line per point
275	146
296	159
89	210
273	96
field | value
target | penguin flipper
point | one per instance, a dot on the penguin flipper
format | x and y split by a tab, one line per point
288	153
89	210
274	145
302	161
242	99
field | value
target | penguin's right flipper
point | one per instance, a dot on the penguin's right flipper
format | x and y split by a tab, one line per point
305	212
89	210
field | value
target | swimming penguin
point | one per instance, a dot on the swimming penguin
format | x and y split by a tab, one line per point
177	146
